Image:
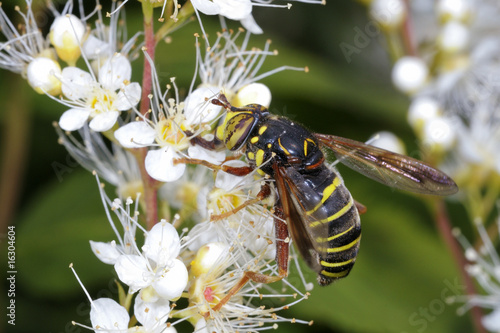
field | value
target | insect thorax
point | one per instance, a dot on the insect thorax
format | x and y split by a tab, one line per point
284	141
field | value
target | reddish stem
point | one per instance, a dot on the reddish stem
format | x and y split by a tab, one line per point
150	185
408	37
445	229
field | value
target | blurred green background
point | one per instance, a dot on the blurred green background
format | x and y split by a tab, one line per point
403	273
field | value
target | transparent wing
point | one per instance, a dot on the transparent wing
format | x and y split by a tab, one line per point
391	169
294	196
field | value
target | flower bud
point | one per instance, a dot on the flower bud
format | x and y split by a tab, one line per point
253	93
422	110
66	35
206	257
388	141
409	74
42	74
388	13
454	37
457	10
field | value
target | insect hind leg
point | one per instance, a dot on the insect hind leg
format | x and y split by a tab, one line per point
282	256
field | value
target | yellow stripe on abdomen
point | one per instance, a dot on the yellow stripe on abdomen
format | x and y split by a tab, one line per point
335	216
335	264
335	275
327	192
345	247
329	239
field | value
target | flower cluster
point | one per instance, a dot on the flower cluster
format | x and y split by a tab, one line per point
446	61
202	266
202	231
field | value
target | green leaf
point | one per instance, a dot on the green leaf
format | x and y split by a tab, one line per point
55	231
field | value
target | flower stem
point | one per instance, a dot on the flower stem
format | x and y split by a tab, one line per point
407	32
150	185
445	229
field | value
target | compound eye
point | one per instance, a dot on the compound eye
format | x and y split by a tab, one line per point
238	129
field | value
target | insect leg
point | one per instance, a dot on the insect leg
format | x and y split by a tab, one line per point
360	207
265	191
237	171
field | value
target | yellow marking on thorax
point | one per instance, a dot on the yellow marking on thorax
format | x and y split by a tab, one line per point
327	192
251	155
283	148
269	145
259	157
262	130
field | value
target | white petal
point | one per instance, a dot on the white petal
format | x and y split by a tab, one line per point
196	108
105	252
109	316
104	121
94	48
115	71
133	271
491	321
212	156
172	281
128	97
235	9
136	134
151	315
73	119
228	182
250	24
76	83
162	244
207	7
159	165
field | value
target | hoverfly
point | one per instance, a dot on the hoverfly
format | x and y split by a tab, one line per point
313	205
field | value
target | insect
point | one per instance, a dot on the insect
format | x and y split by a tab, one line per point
314	206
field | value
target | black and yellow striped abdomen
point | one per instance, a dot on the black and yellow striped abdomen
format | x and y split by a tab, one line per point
333	222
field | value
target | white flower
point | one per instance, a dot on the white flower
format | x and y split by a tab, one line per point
484	267
232	67
28	53
151	314
116	165
98	100
240	10
107	316
157	267
167	130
